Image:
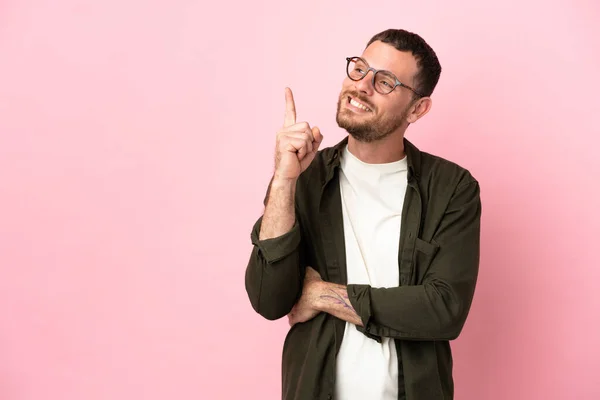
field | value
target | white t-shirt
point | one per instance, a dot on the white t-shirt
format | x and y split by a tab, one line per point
372	201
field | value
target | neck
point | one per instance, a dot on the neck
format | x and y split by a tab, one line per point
386	150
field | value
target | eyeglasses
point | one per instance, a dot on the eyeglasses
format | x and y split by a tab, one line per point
384	82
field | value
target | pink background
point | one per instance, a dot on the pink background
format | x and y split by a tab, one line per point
136	142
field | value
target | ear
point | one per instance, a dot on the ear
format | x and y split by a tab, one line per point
418	109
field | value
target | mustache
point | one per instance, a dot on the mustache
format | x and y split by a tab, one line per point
359	98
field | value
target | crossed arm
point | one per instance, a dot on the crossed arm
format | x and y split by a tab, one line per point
434	309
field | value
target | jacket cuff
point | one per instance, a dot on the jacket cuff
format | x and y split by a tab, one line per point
360	299
277	248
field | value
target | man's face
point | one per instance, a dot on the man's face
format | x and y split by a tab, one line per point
384	114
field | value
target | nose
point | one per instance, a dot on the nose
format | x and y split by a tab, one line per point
365	85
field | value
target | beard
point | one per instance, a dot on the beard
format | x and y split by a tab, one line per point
367	129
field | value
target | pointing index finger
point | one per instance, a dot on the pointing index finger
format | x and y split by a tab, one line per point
290	108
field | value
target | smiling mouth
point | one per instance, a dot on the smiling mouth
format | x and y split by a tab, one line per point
358	105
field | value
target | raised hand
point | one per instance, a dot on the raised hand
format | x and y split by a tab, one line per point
297	143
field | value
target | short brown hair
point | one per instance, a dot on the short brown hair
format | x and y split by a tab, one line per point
427	61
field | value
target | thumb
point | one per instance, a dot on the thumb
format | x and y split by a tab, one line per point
312	273
318	138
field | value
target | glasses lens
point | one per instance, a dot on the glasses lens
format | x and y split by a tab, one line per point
384	82
357	69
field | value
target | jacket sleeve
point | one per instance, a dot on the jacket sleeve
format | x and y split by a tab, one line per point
275	274
437	308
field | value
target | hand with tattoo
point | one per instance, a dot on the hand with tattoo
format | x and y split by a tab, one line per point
320	296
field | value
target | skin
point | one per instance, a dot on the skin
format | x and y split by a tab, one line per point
296	147
375	136
320	296
395	110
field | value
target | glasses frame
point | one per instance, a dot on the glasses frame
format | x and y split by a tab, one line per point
375	71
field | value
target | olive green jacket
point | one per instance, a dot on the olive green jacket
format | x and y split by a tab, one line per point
438	261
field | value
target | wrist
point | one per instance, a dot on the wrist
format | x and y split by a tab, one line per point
317	288
282	182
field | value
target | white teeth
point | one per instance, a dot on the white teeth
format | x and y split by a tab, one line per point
358	105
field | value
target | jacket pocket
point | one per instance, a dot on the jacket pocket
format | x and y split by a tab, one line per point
423	257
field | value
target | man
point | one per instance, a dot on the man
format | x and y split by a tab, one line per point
371	247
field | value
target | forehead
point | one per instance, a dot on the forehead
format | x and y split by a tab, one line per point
381	55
